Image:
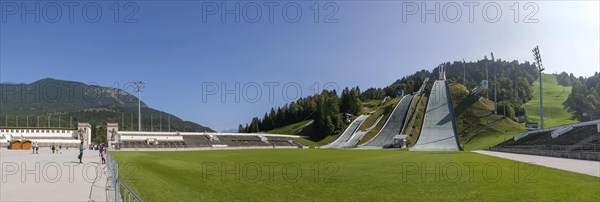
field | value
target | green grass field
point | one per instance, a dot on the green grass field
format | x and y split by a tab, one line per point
345	175
554	96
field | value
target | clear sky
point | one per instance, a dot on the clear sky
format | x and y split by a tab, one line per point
179	47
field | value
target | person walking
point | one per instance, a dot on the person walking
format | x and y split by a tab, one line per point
101	149
37	148
80	152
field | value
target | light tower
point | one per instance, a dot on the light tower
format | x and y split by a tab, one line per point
139	87
495	84
540	66
464	72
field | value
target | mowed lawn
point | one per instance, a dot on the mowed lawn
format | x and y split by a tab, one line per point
346	175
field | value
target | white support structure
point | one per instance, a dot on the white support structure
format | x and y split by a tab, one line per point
525	134
561	131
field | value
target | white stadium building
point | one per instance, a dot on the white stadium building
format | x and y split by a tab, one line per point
24	137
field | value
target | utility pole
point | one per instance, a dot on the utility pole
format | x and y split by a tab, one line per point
495	84
487	91
139	87
464	72
17	125
540	66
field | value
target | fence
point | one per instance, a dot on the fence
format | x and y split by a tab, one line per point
121	191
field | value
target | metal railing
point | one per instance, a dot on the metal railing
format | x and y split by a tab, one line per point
121	191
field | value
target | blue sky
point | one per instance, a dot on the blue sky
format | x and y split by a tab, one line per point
176	52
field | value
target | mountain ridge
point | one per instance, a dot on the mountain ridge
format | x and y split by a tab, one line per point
76	101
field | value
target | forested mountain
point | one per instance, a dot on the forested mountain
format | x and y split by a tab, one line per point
514	81
64	103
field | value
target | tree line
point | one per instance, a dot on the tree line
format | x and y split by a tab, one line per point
584	100
327	109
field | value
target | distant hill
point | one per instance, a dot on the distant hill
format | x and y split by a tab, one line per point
73	102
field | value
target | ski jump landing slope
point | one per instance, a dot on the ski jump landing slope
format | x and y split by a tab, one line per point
439	127
342	141
392	126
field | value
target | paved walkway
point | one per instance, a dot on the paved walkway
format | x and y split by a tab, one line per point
52	177
579	166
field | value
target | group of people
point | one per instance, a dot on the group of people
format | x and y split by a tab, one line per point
35	147
100	147
56	149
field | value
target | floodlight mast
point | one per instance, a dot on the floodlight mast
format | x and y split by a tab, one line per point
495	88
540	66
139	87
464	73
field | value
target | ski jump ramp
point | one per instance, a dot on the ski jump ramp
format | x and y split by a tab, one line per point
439	125
392	126
343	140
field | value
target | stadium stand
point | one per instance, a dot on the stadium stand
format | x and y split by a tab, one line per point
199	141
578	141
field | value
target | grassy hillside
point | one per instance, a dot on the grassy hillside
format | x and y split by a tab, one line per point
554	96
370	105
303	128
345	175
385	110
477	125
415	123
